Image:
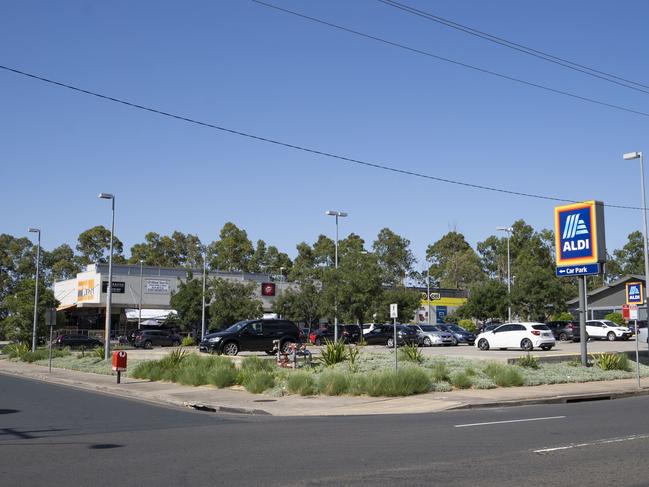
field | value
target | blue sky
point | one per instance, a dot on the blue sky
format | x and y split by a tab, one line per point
251	68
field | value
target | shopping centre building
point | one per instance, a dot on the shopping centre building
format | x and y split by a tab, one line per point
83	298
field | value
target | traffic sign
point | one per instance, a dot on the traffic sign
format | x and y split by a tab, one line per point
578	270
394	312
633	311
625	312
579	234
634	293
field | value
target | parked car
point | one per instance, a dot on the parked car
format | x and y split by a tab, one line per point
564	330
517	335
149	338
76	341
384	335
460	335
368	327
430	335
346	333
252	335
605	329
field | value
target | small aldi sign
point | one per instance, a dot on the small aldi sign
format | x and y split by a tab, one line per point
579	234
634	293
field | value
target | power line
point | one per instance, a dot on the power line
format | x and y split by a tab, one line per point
453	61
309	150
611	78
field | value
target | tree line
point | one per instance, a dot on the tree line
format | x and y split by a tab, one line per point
369	276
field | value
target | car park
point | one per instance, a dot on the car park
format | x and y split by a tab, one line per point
517	335
430	335
564	330
346	333
460	335
384	335
607	330
252	335
150	338
76	341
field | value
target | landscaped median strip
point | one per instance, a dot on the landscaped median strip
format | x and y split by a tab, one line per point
354	371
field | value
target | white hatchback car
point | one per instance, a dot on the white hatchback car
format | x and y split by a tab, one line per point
517	335
605	329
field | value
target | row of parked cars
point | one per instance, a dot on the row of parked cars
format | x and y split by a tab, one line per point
544	335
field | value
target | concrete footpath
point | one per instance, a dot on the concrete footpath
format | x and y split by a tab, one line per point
237	400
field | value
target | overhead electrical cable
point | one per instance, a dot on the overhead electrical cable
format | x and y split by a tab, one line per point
618	80
455	62
309	150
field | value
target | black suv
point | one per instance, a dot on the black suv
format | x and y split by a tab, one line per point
384	335
149	338
252	335
77	341
564	330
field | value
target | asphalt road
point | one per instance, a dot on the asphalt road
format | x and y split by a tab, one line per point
54	435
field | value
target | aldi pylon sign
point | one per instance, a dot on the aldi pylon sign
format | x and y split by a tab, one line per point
580	244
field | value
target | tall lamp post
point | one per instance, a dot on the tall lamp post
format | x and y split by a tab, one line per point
337	214
428	294
139	315
638	155
109	289
509	231
203	305
38	260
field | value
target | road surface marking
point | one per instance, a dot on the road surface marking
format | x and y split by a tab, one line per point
508	421
592	443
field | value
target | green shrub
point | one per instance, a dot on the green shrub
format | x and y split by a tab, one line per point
468	325
470	371
43	354
440	372
258	364
223	375
16	350
461	380
97	352
504	375
411	353
332	353
259	381
301	383
188	341
406	381
612	361
176	357
563	316
191	376
333	383
528	361
615	318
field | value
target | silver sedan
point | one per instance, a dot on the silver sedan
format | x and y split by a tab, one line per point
430	335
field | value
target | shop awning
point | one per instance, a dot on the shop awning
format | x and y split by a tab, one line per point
63	307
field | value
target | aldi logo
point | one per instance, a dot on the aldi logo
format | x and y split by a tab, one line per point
579	234
633	293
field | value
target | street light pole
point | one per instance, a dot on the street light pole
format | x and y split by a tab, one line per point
337	214
38	260
139	316
630	156
109	289
203	306
428	294
509	231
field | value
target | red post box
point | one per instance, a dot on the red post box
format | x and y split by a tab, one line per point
119	363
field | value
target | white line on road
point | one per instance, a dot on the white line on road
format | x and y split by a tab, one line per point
592	443
508	421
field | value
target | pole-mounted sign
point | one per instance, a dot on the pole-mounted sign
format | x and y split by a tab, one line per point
580	250
580	244
634	293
